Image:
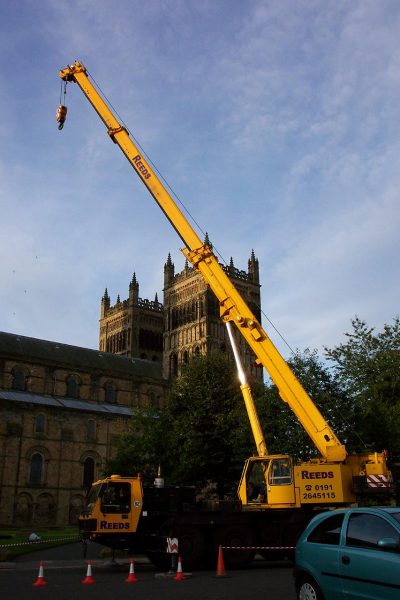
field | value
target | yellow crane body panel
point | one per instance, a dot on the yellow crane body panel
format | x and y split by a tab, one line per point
324	483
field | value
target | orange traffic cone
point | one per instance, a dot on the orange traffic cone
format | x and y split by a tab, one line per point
40	580
131	577
88	579
220	564
179	574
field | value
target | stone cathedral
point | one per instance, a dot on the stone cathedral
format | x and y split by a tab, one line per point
185	324
63	408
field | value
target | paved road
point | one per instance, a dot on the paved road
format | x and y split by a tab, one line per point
64	570
68	552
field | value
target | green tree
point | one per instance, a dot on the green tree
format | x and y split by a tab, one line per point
283	432
208	429
201	437
367	366
141	449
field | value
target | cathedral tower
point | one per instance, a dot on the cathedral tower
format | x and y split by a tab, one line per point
188	323
192	323
132	327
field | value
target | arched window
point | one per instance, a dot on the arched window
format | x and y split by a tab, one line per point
36	469
72	387
174	365
39	424
19	381
88	472
91	430
109	393
23	510
44	509
154	400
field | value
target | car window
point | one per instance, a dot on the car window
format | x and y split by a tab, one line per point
365	530
327	532
395	515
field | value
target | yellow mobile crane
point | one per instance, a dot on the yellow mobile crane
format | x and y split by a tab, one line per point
120	512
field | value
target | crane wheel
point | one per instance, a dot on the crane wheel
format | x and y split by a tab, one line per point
192	546
235	536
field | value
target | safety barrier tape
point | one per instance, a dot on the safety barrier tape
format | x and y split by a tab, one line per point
67	539
257	547
72	539
238	547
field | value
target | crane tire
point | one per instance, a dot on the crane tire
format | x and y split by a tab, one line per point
192	546
235	536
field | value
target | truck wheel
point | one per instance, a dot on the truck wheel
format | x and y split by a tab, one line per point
272	537
158	555
235	536
192	547
161	560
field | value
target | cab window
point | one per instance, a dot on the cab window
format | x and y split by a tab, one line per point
116	497
280	472
256	481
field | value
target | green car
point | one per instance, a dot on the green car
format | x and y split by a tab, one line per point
351	553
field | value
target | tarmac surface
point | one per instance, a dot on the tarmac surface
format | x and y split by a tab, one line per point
71	555
65	568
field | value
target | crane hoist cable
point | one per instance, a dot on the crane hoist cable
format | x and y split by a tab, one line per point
61	117
61	113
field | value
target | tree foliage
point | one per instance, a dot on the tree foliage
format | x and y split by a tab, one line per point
203	435
208	429
367	366
283	432
140	450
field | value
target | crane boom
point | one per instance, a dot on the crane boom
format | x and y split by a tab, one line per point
233	308
247	397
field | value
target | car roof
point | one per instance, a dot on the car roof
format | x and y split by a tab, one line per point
387	509
376	509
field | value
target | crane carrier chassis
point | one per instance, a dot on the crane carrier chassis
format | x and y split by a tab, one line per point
201	527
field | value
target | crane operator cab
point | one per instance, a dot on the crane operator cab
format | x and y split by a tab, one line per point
267	481
113	507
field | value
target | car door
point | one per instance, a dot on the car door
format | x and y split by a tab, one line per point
319	555
367	570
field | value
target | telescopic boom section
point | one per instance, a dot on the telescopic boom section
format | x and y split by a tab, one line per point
232	306
247	397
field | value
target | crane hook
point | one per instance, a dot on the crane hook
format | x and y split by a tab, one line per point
61	113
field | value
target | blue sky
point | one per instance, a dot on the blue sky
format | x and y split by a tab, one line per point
276	122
